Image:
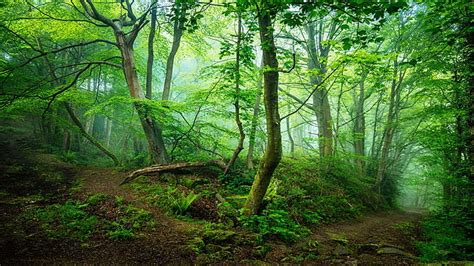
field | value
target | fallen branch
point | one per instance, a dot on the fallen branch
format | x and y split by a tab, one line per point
170	168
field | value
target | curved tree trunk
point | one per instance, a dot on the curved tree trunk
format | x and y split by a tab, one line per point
177	34
272	155
240	145
75	119
151	55
84	133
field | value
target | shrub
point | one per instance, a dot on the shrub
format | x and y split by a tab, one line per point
99	213
67	220
447	236
277	223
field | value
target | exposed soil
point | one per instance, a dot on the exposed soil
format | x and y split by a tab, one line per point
381	238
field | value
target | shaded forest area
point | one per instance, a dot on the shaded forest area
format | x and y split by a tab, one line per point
246	131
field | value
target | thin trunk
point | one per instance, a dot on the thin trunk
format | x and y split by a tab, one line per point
73	116
359	128
256	111
67	140
177	34
108	131
96	143
290	137
151	56
240	145
321	105
272	155
151	128
389	126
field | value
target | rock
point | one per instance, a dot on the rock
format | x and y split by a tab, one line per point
341	250
338	238
218	236
394	251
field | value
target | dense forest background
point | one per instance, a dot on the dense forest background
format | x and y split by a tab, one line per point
301	113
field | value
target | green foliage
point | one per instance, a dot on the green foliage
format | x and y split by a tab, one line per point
275	223
66	220
171	199
313	197
68	157
96	198
447	236
129	223
98	214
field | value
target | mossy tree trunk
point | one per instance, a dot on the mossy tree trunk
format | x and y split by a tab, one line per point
273	151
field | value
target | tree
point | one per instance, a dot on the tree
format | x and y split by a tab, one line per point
272	156
125	41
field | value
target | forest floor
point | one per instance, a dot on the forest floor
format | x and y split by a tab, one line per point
378	238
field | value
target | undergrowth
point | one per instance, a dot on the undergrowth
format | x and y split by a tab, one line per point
97	215
447	236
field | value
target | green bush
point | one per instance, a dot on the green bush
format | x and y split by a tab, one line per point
447	236
170	199
67	220
276	223
99	214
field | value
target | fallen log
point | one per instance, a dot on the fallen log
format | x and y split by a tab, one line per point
170	168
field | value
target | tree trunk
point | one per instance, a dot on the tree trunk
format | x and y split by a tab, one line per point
177	34
389	126
272	155
256	111
67	140
73	116
321	105
290	137
359	128
171	167
151	56
151	128
108	131
240	145
87	136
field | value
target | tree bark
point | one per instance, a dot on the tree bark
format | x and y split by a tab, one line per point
177	34
151	55
321	105
256	111
359	127
390	125
108	131
240	145
84	133
272	155
171	167
151	128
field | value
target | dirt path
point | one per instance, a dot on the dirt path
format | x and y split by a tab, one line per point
381	238
165	244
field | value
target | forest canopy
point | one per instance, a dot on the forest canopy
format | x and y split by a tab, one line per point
375	97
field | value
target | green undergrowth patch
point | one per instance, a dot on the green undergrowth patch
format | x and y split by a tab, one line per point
305	193
446	236
171	198
96	216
